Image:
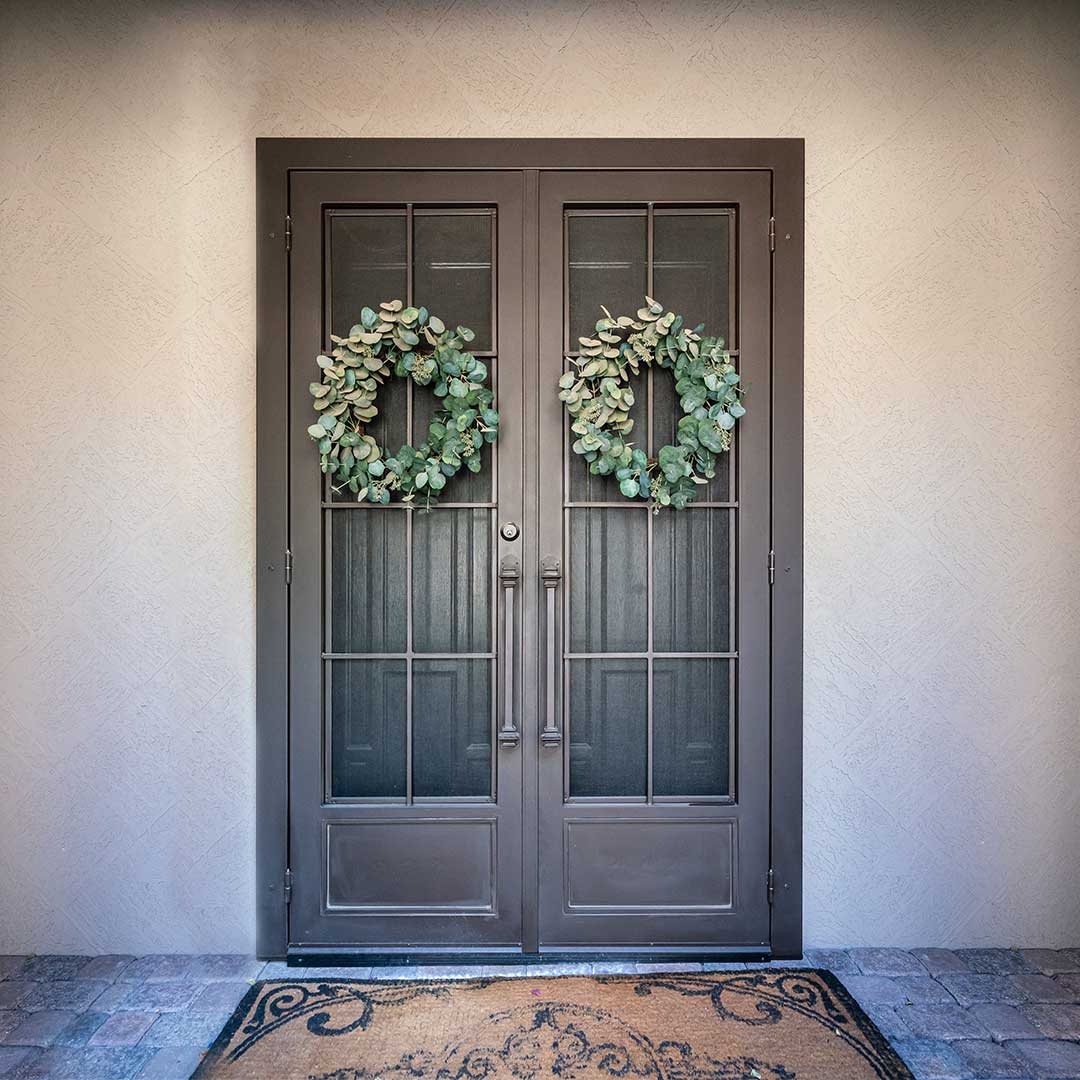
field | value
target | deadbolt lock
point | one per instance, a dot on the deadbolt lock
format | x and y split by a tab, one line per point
510	530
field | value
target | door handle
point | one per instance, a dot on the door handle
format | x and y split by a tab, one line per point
550	575
509	575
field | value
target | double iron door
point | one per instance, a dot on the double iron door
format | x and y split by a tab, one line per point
535	717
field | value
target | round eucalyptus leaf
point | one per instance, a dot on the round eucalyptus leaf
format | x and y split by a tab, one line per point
386	342
597	393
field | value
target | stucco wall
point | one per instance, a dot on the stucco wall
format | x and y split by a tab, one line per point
943	387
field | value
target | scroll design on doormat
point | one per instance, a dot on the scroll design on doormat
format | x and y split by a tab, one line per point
758	998
598	395
408	342
282	1003
563	1040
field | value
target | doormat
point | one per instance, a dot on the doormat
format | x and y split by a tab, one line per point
743	1025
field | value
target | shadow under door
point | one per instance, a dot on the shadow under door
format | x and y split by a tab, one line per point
535	717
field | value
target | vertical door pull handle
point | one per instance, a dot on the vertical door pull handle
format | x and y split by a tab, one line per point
509	576
550	575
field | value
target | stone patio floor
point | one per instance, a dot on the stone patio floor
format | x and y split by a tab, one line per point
972	1014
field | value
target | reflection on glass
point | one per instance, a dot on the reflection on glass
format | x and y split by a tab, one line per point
608	727
452	581
691	727
453	271
368	583
452	719
608	580
367	265
367	719
607	266
692	580
691	268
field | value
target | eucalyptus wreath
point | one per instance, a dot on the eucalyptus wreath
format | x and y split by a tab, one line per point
598	396
406	342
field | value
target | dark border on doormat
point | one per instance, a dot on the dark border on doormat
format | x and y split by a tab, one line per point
898	1070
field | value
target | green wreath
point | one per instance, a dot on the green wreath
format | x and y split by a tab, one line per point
389	342
598	397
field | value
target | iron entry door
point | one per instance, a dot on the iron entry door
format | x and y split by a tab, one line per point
654	757
405	811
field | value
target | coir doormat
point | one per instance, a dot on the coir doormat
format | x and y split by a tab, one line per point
742	1025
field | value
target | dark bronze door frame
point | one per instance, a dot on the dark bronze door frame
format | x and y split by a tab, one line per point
744	894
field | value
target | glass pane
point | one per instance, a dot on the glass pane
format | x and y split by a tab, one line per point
452	718
692	580
466	486
667	414
389	428
608	727
607	260
452	276
608	579
367	581
367	710
584	487
691	268
452	581
367	265
691	727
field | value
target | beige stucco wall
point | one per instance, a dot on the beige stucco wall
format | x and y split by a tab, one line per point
942	401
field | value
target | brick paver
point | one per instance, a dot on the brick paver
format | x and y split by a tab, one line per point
1050	1059
40	1028
1004	1021
965	1014
123	1029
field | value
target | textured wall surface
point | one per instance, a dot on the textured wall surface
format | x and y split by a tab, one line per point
943	392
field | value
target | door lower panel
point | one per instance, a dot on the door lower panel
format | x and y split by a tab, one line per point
412	866
662	868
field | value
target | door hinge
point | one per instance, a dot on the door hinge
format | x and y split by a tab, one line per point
288	232
288	566
772	234
287	889
770	886
772	567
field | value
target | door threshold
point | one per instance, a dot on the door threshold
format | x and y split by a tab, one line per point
361	958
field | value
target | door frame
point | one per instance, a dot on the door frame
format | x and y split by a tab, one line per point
275	159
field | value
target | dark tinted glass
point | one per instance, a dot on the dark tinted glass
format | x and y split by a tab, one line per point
691	727
691	268
608	579
453	271
607	260
367	265
452	581
452	718
367	581
692	580
367	709
608	727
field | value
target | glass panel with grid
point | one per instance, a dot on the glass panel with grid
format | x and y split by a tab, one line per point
649	623
409	599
